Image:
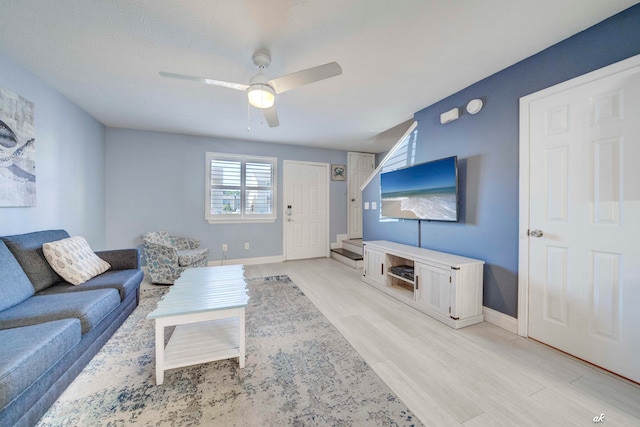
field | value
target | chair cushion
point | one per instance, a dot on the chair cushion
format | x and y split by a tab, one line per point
88	306
125	281
183	243
28	352
15	286
27	248
188	257
73	259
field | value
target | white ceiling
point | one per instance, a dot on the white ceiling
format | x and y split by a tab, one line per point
397	58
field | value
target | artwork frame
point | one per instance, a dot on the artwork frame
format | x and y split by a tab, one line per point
338	172
17	151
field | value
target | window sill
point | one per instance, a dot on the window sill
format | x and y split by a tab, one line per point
241	221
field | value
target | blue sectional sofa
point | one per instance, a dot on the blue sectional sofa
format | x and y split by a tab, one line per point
50	329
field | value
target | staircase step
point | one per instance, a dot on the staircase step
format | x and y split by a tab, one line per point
348	254
352	247
353	242
337	254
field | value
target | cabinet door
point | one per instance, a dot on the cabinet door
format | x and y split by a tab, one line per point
374	265
433	287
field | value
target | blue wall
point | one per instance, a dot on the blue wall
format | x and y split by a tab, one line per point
487	148
156	181
69	163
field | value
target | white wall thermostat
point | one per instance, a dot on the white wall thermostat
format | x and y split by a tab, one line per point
449	116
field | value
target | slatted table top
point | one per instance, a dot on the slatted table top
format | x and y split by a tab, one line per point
204	289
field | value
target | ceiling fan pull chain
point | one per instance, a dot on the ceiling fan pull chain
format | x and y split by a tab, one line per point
248	117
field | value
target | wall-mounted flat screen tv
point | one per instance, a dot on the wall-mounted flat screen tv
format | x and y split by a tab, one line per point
426	191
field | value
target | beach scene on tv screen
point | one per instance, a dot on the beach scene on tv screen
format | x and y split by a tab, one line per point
426	191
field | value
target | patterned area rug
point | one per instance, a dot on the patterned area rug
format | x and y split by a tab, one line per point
299	371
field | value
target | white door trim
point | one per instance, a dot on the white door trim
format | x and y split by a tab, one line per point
523	245
351	179
327	166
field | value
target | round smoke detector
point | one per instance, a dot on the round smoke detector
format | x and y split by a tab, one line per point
474	106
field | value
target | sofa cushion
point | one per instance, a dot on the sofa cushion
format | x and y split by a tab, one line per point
121	259
27	248
15	286
125	281
28	352
73	259
89	306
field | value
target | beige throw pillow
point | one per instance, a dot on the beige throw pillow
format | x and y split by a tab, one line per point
74	260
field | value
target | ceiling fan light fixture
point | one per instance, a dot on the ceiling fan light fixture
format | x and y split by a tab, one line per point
261	96
261	91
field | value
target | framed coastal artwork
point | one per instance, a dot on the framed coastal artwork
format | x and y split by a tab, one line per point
338	172
17	151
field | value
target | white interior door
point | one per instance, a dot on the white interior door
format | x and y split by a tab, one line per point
306	210
584	198
359	168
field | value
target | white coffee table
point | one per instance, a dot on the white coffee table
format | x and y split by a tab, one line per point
207	307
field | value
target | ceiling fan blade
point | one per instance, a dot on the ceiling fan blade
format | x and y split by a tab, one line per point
271	116
304	77
237	86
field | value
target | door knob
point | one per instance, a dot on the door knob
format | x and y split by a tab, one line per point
536	233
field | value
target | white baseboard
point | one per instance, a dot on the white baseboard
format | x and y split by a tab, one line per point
501	320
248	261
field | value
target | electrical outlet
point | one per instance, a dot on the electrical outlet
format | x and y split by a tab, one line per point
246	246
224	247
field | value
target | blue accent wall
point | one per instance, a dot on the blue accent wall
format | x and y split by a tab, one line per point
487	147
156	181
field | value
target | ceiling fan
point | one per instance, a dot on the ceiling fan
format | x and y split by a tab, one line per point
262	92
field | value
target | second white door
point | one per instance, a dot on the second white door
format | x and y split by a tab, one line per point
584	256
360	166
306	210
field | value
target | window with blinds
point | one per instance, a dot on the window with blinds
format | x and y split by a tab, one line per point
404	154
240	188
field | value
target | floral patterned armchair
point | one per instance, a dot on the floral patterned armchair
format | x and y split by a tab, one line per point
168	256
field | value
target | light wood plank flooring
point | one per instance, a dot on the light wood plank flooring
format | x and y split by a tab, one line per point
480	375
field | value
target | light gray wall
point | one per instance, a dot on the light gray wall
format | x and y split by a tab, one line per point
69	163
156	181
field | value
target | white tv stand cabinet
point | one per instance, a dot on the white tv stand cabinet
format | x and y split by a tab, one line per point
446	287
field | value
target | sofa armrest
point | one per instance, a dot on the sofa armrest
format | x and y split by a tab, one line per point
121	259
